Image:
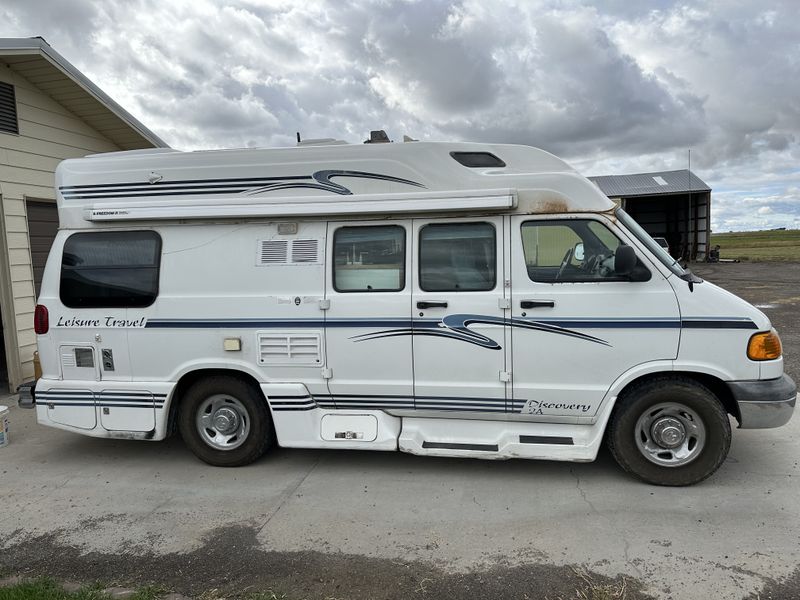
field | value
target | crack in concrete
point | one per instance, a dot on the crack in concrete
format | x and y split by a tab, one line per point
288	494
582	492
625	542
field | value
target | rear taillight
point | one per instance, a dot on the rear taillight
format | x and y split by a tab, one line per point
41	320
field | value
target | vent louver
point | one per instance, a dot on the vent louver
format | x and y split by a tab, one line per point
288	252
8	109
289	349
273	252
304	251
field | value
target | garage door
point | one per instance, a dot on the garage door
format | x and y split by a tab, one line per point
42	229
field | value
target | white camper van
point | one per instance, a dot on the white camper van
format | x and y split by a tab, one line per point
445	299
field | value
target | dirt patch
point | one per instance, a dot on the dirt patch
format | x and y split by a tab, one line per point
231	562
786	589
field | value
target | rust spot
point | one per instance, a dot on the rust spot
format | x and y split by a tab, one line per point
551	205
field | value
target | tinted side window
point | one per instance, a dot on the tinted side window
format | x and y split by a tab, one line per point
569	251
457	257
110	269
369	259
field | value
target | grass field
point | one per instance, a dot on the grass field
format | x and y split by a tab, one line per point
759	245
47	589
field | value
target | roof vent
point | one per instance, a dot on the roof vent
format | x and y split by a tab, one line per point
321	142
477	159
8	109
378	137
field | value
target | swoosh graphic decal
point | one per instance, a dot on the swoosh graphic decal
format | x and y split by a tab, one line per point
320	180
457	327
323	182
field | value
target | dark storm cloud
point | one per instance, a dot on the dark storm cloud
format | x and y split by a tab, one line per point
614	86
596	99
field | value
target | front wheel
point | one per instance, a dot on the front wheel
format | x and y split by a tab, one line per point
669	431
225	422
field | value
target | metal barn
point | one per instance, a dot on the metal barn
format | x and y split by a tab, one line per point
675	205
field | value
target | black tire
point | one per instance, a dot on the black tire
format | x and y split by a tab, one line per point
643	401
251	409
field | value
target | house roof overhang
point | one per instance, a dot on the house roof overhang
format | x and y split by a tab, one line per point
35	60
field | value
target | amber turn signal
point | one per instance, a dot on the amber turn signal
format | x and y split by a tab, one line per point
764	346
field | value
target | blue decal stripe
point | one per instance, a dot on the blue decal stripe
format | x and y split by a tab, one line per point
692	322
104	399
382	402
320	180
718	324
266	324
102	404
160	184
602	324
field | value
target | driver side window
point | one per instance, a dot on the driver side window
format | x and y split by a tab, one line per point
569	251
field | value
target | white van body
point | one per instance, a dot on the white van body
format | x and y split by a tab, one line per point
379	296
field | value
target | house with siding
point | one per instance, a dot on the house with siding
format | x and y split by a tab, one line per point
49	111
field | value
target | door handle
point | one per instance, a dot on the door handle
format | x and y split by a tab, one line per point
537	304
431	304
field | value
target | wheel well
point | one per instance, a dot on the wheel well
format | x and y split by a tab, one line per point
718	387
189	379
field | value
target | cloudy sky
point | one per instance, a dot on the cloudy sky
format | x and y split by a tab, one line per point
613	86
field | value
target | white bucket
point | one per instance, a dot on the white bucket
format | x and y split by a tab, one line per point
3	426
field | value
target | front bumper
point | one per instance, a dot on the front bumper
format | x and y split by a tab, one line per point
27	395
764	403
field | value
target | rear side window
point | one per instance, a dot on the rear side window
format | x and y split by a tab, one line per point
457	257
369	259
110	269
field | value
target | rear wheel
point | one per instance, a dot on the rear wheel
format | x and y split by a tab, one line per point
669	431
225	421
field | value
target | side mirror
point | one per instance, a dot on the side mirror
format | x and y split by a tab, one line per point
624	260
578	253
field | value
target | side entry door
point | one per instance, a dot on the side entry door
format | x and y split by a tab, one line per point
458	304
577	324
368	323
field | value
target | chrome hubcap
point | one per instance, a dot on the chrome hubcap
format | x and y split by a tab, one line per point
670	434
223	422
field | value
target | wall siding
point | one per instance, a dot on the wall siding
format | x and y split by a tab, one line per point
48	134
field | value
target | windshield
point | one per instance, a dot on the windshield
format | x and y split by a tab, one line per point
652	245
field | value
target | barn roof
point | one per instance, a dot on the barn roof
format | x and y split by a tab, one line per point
681	181
35	60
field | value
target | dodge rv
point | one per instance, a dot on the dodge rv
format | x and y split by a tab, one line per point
445	299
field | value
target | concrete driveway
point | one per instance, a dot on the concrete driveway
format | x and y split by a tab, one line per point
388	525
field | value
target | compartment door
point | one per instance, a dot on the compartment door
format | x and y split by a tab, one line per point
123	410
73	406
